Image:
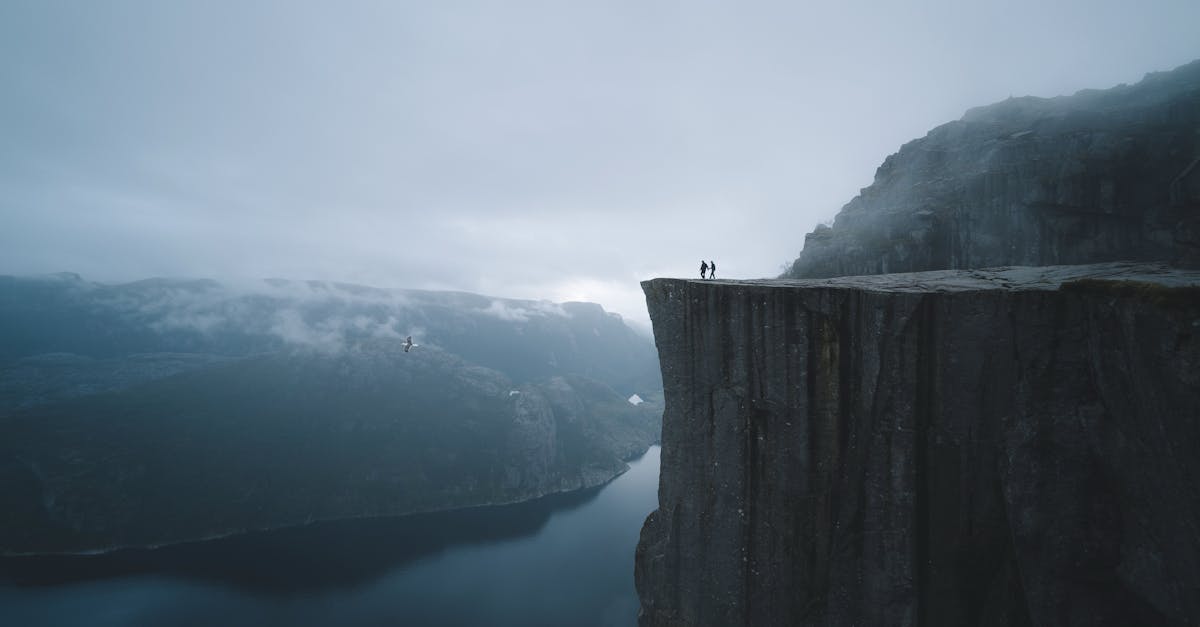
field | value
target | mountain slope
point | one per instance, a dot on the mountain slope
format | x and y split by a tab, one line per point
1097	176
299	408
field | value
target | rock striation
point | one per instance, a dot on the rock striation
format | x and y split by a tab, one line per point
1099	176
1013	446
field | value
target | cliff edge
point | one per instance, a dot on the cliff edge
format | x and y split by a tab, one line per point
1013	446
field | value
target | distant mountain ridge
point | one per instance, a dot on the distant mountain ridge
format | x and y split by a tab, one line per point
164	410
1092	177
528	339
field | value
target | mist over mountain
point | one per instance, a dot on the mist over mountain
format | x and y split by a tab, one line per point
526	339
1100	175
167	410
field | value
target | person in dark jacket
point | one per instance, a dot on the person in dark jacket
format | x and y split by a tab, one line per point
712	270
703	268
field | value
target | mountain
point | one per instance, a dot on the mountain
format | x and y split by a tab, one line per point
163	411
525	339
1097	176
926	421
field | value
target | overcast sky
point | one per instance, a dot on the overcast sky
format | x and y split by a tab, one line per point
561	149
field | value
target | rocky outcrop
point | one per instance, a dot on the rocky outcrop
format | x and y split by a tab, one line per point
1093	177
1014	446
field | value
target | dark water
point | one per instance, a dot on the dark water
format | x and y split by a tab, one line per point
562	560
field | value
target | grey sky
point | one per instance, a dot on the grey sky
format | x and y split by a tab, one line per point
557	149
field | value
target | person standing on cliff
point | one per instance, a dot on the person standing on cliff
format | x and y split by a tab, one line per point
712	269
703	268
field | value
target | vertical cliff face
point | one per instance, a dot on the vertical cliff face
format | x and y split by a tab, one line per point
1093	177
1010	447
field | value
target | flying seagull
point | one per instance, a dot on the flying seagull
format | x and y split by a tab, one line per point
408	344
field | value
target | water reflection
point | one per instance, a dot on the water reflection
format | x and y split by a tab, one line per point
562	560
302	560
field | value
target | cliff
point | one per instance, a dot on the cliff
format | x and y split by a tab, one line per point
1098	176
1013	446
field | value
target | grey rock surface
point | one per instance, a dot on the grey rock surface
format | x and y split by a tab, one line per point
1094	177
1014	446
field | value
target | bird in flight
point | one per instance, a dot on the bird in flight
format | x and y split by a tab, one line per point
408	343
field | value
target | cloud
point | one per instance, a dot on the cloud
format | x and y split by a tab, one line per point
522	312
518	149
326	336
317	315
324	316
